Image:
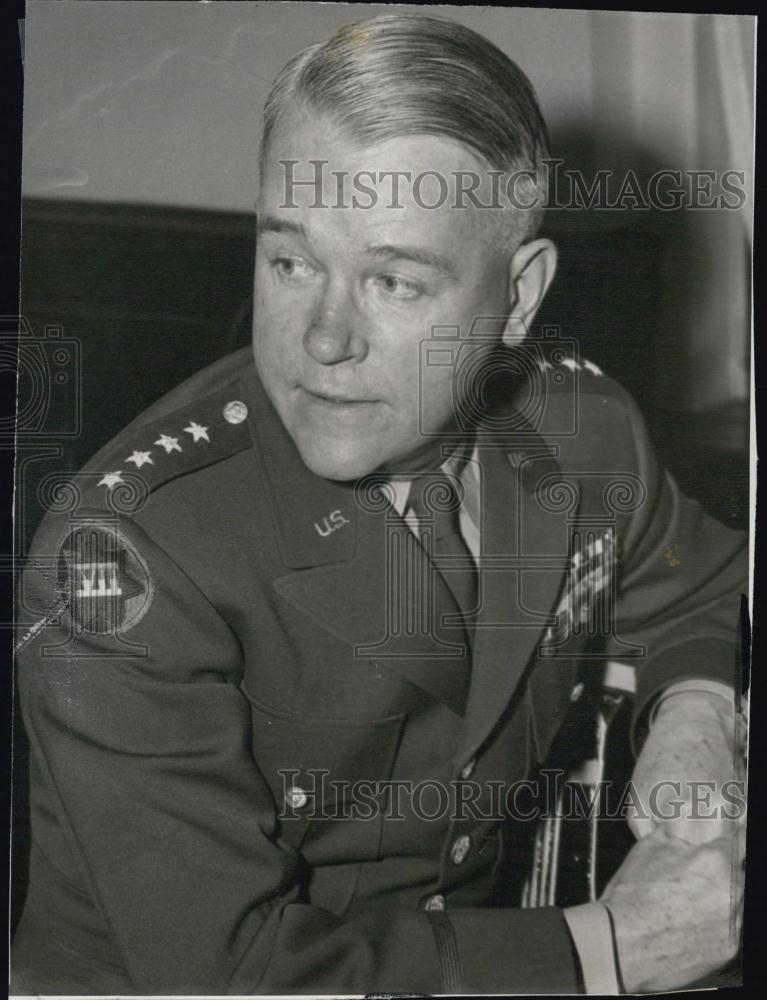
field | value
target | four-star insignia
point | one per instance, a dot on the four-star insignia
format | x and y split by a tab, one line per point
168	443
573	364
111	479
197	431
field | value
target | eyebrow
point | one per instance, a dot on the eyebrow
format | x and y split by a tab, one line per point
419	255
271	224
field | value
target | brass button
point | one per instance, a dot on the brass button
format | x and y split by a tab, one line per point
296	797
235	412
460	849
435	902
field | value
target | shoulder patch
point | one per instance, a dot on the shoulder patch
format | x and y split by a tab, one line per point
106	584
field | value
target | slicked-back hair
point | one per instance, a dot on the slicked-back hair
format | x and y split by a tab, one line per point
412	74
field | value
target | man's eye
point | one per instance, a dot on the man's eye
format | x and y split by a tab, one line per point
292	268
399	288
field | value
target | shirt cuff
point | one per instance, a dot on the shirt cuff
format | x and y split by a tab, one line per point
589	927
694	685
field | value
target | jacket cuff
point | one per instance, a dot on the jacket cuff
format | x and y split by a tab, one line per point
697	685
522	950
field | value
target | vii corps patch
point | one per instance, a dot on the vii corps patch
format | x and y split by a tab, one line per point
105	582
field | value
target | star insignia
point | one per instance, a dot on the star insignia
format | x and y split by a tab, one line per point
140	458
111	479
197	431
168	443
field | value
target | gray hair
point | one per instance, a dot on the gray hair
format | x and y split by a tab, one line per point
409	74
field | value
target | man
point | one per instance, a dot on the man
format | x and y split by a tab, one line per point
371	562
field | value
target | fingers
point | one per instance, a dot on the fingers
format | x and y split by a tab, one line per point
676	908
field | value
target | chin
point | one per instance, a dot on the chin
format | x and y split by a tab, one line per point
337	466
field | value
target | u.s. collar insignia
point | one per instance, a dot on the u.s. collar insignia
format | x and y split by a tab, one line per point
105	582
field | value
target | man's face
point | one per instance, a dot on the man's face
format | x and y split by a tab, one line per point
345	296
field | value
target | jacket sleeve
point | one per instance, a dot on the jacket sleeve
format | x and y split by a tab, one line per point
682	575
142	742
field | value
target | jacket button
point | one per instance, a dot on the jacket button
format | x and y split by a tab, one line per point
235	412
435	902
460	849
468	770
296	797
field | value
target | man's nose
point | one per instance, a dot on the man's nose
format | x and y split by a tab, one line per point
334	334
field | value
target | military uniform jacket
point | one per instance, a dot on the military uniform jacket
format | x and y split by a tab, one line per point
220	697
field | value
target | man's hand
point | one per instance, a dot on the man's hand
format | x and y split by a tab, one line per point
688	773
677	898
677	908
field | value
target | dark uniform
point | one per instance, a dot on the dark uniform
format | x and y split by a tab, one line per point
209	637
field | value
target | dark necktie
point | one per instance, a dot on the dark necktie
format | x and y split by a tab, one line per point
436	503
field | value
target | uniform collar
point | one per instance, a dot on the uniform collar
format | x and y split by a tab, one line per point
461	464
318	520
315	517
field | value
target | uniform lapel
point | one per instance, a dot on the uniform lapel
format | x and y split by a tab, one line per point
348	553
314	517
524	551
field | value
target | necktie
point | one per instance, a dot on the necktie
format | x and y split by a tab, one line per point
436	503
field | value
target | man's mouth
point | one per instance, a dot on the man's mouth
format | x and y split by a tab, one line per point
336	399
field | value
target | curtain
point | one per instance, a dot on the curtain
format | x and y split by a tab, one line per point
676	91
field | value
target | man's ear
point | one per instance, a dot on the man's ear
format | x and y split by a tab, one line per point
532	270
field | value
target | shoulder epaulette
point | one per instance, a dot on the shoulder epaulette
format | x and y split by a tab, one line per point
145	457
561	366
565	372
